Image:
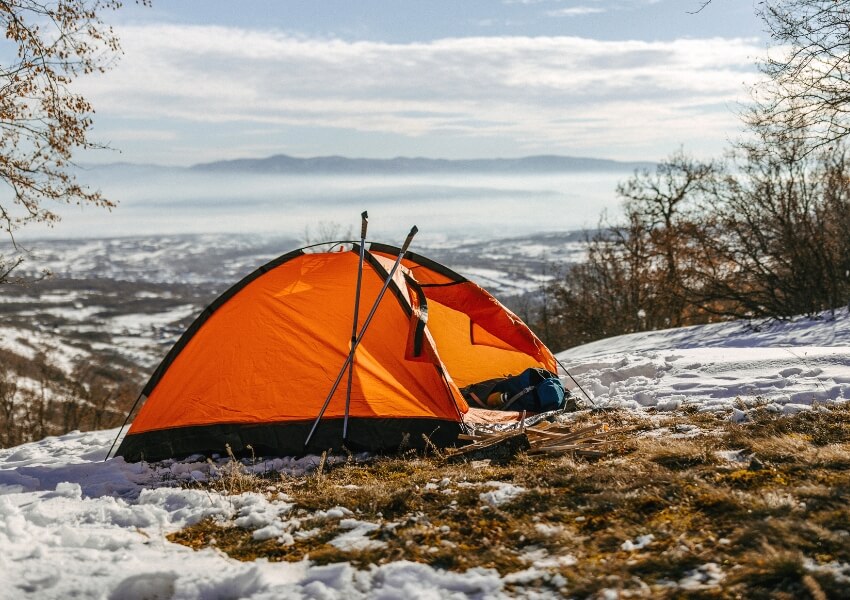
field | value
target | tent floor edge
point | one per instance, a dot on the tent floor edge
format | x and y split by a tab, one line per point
365	434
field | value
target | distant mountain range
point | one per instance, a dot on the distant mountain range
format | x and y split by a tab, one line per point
281	163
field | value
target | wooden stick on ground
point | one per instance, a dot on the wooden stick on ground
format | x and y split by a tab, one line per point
543	438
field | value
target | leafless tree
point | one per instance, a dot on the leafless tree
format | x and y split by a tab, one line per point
767	236
8	393
775	235
94	395
325	231
807	91
665	207
43	121
638	270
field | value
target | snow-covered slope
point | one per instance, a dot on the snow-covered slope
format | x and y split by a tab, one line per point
787	366
72	525
127	300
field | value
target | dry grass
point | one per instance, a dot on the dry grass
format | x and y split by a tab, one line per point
763	518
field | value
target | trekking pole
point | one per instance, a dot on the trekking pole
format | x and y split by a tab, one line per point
575	382
364	222
362	331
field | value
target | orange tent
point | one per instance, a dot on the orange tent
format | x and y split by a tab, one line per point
256	366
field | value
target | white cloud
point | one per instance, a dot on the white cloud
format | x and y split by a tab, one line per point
538	91
155	135
576	11
527	1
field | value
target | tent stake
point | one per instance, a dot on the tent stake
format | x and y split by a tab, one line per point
362	331
364	222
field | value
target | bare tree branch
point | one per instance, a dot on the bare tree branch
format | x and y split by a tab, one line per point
42	121
807	90
701	8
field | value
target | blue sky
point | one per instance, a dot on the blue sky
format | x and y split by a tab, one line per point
622	79
408	21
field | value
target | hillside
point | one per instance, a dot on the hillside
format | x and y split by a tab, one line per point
128	299
783	366
729	480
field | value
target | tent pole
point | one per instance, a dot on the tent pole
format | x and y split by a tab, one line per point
362	331
364	222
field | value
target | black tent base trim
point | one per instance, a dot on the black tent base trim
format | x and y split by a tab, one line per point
287	438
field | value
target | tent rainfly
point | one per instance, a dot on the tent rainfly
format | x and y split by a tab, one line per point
256	366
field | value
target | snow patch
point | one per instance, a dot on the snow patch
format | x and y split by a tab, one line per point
640	543
705	576
504	492
355	538
734	367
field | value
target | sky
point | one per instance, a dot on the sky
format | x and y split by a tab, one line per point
618	79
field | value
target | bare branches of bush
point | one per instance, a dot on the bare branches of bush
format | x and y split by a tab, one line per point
767	237
778	234
637	270
37	399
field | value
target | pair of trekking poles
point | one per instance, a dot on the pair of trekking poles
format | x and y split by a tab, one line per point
357	337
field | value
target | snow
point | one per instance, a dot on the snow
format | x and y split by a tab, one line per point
503	492
641	542
504	283
705	576
10	339
540	558
840	571
783	366
733	456
74	525
355	538
138	324
548	530
30	342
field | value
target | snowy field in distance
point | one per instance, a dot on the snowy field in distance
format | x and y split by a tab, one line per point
132	297
73	525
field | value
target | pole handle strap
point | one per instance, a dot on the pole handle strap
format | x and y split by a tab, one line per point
409	239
